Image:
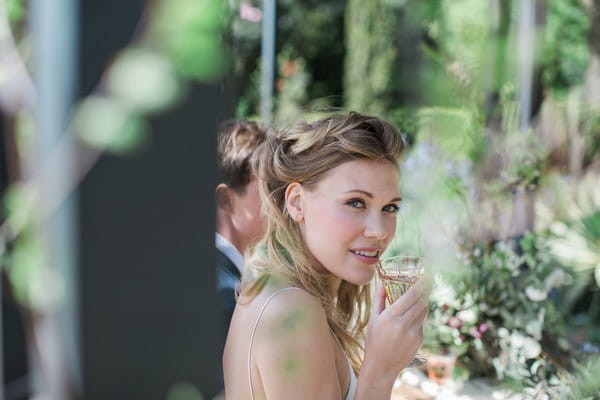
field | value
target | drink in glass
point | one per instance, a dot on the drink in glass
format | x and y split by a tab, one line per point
397	275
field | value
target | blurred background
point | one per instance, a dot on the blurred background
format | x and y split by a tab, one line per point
108	121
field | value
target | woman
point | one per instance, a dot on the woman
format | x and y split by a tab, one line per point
330	192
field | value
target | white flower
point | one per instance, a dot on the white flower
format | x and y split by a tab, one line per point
531	348
468	316
517	340
534	328
535	294
443	293
557	278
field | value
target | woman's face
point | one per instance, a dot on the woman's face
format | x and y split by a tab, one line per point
349	218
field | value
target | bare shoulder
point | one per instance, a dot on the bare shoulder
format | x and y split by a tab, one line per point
294	349
293	310
292	319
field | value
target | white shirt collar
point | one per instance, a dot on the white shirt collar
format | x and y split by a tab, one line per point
230	251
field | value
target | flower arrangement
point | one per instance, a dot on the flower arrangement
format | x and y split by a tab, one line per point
498	316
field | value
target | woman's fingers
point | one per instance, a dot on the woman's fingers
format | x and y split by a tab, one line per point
378	302
411	297
418	312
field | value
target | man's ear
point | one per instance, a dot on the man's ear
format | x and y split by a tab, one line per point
294	201
224	198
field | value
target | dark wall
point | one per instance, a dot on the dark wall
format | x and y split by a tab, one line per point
146	221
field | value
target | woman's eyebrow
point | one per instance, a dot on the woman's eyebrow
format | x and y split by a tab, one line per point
369	195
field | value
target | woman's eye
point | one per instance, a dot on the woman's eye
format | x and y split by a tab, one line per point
357	203
391	208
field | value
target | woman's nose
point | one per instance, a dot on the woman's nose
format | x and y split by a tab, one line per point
377	228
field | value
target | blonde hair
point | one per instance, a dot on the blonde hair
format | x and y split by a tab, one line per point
304	154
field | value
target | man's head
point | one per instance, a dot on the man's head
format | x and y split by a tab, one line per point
239	218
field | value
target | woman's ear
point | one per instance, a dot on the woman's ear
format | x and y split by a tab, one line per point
294	201
224	198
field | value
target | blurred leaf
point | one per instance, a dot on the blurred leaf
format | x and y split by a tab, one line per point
144	80
105	124
454	130
566	52
190	31
199	56
15	10
19	205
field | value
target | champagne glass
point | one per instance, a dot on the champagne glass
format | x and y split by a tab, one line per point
397	275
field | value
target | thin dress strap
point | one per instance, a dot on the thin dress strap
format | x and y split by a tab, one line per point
254	331
353	380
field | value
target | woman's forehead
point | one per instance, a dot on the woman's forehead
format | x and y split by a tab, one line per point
376	177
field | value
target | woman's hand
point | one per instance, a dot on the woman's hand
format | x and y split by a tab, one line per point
395	333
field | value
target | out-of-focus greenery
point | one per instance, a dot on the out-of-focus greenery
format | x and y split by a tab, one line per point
569	213
370	32
455	130
15	10
179	43
566	46
586	385
190	32
182	43
310	32
292	88
34	286
496	315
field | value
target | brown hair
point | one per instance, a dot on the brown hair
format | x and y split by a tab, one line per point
236	145
304	154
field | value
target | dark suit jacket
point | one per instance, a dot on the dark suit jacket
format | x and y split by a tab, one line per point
228	278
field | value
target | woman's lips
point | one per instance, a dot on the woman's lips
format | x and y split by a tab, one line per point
370	256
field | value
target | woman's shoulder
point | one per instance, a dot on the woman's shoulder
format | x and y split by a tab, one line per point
291	300
293	340
292	310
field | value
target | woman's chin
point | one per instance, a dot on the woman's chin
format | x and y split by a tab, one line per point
362	280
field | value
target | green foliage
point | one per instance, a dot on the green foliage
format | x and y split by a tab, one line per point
312	31
15	10
370	53
453	75
586	382
33	284
575	239
407	121
591	131
144	81
518	153
456	130
496	313
566	49
103	122
190	32
291	85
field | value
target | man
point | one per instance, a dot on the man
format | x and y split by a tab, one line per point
240	223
